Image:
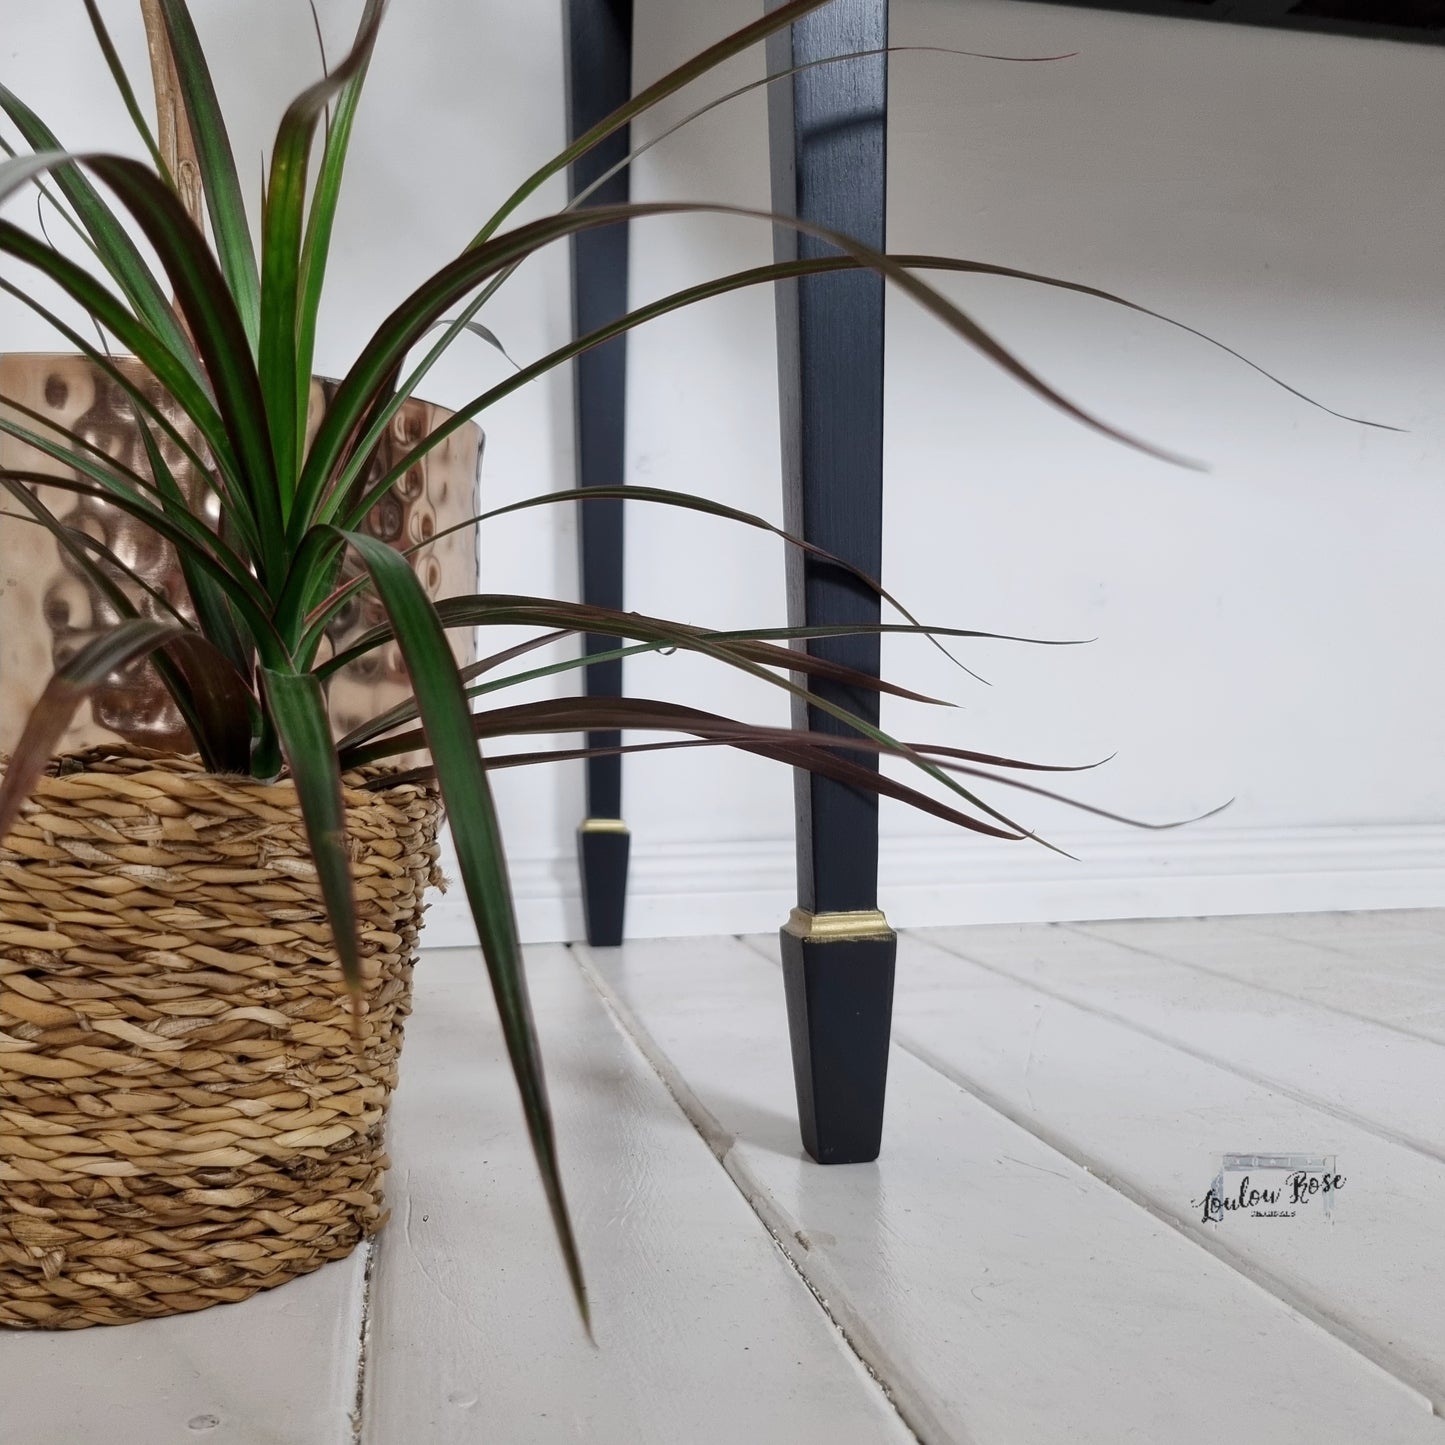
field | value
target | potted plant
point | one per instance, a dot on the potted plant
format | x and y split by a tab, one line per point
206	944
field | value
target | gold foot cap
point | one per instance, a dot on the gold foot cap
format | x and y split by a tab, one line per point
837	927
602	825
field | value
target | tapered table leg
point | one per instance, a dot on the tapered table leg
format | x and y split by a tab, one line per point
827	130
598	34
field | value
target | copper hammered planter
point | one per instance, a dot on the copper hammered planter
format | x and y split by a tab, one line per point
185	1115
49	609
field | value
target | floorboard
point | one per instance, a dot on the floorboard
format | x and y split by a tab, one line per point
1024	1266
705	1332
1389	975
277	1369
1152	1121
1349	1066
1003	1292
1408	924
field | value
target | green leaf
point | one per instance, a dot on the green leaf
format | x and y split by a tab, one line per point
298	709
219	178
798	749
284	386
737	648
691	69
817	752
446	723
134	495
464	321
82	288
405	711
754	276
241	590
723	730
473	669
219	708
70	685
123	85
661	496
362	393
112	245
147	413
510	610
212	610
79	547
57	203
545	612
321	219
776	76
474	328
212	697
219	333
87	552
59	441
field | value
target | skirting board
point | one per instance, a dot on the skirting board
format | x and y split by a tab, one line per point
685	889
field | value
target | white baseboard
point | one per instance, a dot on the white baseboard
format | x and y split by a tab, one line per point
686	889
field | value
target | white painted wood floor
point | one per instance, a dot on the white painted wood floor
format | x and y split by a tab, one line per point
1025	1265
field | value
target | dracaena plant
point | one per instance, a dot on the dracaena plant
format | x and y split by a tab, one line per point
228	332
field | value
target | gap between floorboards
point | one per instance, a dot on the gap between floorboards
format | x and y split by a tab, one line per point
1080	931
1397	1137
853	1331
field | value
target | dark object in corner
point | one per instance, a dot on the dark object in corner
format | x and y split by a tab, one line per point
1422	21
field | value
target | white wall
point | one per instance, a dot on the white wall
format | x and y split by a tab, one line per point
1266	630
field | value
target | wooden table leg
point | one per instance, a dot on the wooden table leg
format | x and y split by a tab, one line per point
598	36
828	131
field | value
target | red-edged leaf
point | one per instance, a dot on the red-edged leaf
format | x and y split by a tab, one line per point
71	685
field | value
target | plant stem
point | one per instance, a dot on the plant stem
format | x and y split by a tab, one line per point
173	129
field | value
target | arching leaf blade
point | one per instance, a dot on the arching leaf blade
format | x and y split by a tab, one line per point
241	590
219	331
476	833
113	247
754	33
219	178
321	219
284	385
298	709
362	393
189	393
210	695
123	86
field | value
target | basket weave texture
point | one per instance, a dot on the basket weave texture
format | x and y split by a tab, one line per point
185	1114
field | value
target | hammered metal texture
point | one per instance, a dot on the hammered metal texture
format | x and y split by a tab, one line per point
49	608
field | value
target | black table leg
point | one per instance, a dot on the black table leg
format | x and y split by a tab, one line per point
828	131
598	35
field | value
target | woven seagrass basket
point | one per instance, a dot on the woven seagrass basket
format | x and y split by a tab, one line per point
185	1114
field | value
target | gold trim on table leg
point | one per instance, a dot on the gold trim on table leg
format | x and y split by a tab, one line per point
602	825
867	923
